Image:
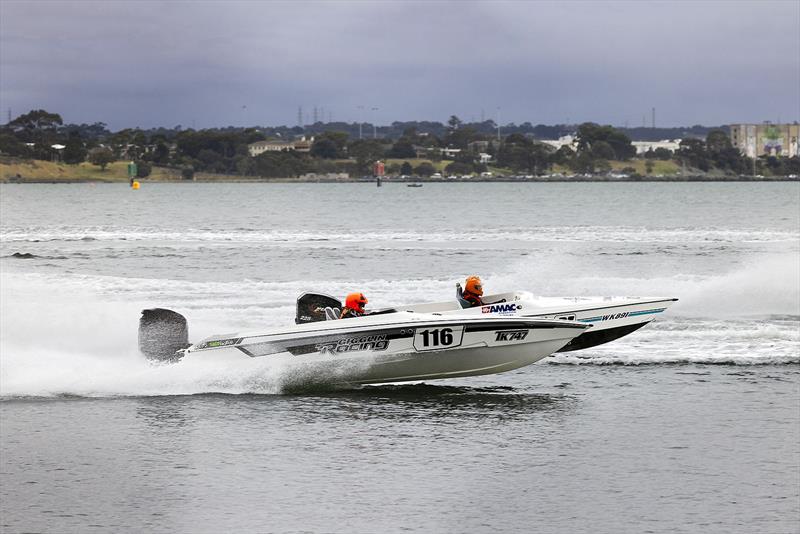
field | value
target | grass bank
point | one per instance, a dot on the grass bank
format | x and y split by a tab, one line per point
47	171
15	170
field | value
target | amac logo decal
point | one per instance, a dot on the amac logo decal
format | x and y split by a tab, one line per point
501	308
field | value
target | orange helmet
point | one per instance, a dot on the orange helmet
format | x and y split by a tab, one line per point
473	285
356	301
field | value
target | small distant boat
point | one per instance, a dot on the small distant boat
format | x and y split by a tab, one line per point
413	185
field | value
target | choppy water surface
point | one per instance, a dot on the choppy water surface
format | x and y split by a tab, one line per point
691	424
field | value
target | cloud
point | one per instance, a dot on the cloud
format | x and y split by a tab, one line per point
163	63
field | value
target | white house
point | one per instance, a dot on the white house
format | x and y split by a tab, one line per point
300	145
645	146
564	140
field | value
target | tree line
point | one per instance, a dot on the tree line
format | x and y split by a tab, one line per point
334	150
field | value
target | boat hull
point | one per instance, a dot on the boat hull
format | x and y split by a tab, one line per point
426	350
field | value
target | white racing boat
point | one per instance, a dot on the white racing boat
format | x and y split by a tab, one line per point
416	342
386	346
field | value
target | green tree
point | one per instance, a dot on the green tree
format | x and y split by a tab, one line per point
101	156
281	164
11	146
590	133
324	148
562	156
245	165
458	167
406	168
602	166
602	150
461	137
717	141
74	151
339	139
662	153
393	169
143	169
520	154
693	152
161	154
402	149
37	120
365	152
583	163
425	169
39	127
454	123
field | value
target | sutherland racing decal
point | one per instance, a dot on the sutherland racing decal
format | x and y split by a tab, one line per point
353	344
503	309
510	335
218	343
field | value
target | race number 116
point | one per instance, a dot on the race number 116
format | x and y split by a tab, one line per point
438	338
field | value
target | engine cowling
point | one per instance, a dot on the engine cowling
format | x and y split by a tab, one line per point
162	334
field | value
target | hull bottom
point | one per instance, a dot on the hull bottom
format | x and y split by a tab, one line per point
377	368
454	364
592	339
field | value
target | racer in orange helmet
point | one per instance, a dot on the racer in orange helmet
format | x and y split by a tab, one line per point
473	291
354	306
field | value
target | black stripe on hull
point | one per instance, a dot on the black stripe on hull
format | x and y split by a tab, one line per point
592	339
519	326
311	344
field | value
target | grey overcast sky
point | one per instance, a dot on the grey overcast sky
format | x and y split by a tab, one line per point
163	63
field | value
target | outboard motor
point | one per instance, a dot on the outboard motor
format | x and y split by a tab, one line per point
162	333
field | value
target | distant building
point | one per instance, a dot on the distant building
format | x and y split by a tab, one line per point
259	147
642	147
303	144
766	139
566	140
426	152
300	145
479	146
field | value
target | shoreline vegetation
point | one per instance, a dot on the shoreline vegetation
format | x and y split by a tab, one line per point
17	171
38	147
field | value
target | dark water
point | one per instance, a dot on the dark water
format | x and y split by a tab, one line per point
689	425
583	449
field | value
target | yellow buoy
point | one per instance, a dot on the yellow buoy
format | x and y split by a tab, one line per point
135	185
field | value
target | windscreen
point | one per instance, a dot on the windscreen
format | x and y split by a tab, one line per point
311	307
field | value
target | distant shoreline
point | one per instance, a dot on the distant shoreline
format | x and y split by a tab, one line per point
388	181
14	170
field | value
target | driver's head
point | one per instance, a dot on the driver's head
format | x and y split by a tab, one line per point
473	285
356	301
